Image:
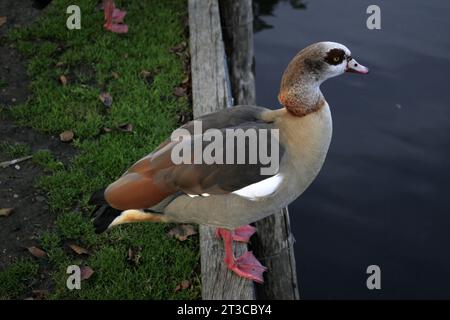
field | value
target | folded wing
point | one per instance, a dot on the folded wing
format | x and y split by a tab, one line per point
156	176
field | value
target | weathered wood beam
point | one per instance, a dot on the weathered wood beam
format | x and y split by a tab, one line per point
237	24
273	244
274	249
211	92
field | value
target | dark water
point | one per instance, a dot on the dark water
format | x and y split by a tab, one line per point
383	196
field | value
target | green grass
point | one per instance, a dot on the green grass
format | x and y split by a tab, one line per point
45	159
88	58
15	150
15	279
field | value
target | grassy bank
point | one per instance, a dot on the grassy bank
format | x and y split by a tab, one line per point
140	72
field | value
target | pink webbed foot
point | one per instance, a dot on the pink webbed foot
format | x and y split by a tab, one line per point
118	15
114	18
247	266
243	233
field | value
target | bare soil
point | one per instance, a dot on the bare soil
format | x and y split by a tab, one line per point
31	216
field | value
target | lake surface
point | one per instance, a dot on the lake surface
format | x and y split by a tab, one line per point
383	195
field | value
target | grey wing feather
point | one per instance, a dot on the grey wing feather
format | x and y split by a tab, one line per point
221	178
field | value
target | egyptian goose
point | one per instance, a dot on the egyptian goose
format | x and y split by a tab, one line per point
231	196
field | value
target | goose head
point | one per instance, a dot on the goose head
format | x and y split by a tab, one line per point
312	66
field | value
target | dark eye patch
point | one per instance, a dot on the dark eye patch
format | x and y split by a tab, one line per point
335	56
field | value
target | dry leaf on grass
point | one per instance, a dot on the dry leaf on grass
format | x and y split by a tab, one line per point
6	212
41	294
78	250
134	255
185	81
63	80
179	91
182	232
148	76
106	99
3	20
106	129
36	252
178	48
183	285
66	136
115	75
126	127
145	74
86	272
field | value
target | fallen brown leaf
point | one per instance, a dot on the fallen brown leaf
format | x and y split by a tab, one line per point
145	73
66	136
106	129
178	48
6	212
60	64
78	250
183	285
134	255
63	80
182	232
148	76
36	252
3	20
126	127
185	81
106	99
115	75
179	91
86	272
40	294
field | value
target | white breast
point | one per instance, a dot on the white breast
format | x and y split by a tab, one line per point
261	189
308	141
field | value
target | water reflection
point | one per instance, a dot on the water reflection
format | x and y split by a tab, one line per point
266	7
382	196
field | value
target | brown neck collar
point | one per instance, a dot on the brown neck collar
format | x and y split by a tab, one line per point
300	109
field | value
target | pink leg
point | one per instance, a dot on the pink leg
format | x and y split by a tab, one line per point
246	266
241	234
108	8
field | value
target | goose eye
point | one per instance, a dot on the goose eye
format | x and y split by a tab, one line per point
335	56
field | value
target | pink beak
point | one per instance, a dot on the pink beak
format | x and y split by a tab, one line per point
355	67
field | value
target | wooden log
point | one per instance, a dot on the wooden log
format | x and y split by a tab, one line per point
211	92
274	249
237	24
273	244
